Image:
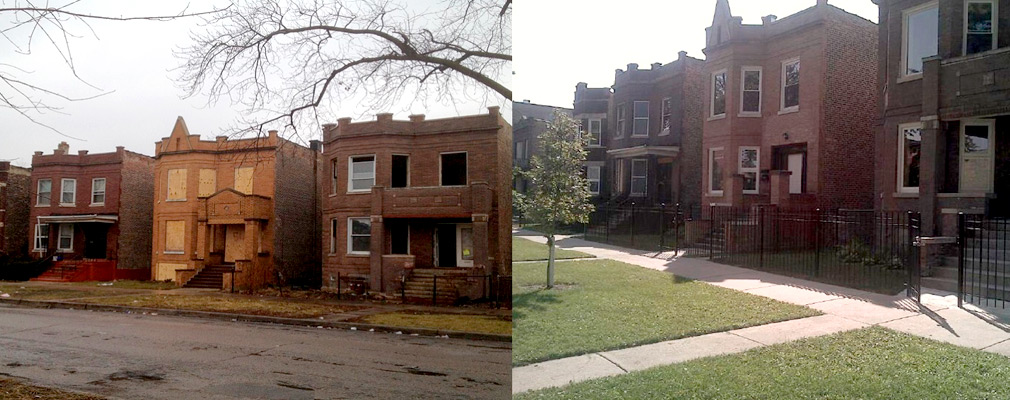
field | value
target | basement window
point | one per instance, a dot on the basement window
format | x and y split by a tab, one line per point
401	171
453	169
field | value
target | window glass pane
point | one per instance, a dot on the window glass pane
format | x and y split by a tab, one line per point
911	147
976	139
360	243
362	226
454	169
750	181
641	127
362	173
793	74
751	101
641	109
791	91
748	158
593	173
45	192
594	126
920	38
639	168
99	185
715	180
719	94
980	27
69	188
792	94
466	243
752	80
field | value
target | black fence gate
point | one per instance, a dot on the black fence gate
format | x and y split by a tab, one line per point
983	258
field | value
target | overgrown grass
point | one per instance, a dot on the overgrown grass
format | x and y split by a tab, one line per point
528	250
456	322
125	284
872	363
603	305
11	389
48	292
222	303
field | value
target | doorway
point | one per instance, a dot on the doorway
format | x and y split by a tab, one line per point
792	158
453	245
234	243
96	238
664	181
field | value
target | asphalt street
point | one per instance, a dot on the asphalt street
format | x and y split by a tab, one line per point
161	357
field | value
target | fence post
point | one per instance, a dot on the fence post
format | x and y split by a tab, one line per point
711	231
676	230
761	237
817	243
632	224
662	225
961	239
338	286
606	223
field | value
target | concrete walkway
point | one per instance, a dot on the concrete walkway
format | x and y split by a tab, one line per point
844	309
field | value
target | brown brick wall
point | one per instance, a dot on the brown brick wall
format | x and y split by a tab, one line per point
296	238
136	211
15	190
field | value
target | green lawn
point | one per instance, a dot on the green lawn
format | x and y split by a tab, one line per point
603	305
873	363
528	250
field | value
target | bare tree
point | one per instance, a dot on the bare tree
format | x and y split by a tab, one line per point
25	24
282	60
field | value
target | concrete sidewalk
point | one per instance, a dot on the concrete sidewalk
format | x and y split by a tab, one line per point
844	309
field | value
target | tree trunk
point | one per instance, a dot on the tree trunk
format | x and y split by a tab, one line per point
550	261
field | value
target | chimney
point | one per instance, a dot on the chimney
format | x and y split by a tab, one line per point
416	118
494	111
120	149
38	153
681	55
316	146
344	121
656	65
272	134
220	139
384	117
632	67
63	148
82	152
329	130
822	3
581	85
765	20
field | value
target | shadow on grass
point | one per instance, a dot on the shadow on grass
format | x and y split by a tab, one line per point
533	302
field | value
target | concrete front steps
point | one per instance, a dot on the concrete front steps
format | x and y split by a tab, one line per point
210	277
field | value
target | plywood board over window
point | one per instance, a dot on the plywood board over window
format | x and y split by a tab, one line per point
208	182
244	180
176	184
175	237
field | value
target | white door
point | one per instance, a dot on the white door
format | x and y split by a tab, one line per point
796	178
464	245
977	144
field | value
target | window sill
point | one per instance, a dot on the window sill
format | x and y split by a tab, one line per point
906	195
65	251
640	136
909	78
716	117
174	253
715	194
43	205
359	191
968	195
361	255
68	205
97	205
789	110
749	115
175	200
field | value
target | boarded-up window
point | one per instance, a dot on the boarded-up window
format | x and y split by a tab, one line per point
208	182
175	237
244	180
177	184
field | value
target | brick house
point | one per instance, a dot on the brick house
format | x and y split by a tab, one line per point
15	208
590	108
529	120
92	213
243	205
415	199
776	135
653	137
943	101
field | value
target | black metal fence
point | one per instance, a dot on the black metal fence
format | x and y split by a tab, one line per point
984	255
658	228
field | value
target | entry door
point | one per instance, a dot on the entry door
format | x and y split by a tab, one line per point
445	246
977	149
234	243
95	240
464	242
795	164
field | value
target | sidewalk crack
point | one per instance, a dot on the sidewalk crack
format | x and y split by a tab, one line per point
612	362
747	338
991	345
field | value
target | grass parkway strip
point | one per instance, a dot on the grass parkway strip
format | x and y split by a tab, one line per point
528	250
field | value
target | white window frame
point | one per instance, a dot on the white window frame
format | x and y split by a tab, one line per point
59	239
725	93
94	191
63	185
666	116
599	134
990	124
619	175
635	118
901	157
350	236
995	25
903	74
622	117
41	232
782	87
350	173
743	89
38	191
466	181
334	225
756	169
598	180
711	157
631	189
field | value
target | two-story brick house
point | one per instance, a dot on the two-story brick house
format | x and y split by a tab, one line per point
788	109
654	125
944	99
234	210
591	106
15	192
529	120
409	200
92	213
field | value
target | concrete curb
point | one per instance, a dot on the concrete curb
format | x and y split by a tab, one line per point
258	318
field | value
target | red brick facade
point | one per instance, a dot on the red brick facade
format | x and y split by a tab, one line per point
83	221
15	190
812	151
397	213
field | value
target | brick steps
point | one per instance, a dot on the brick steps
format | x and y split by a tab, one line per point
210	277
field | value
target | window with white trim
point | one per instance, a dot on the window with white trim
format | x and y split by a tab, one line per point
98	191
66	242
667	110
641	124
639	177
750	91
620	121
41	237
595	131
361	173
359	235
790	85
909	151
68	192
333	236
593	176
749	167
334	167
980	26
718	94
44	194
619	176
715	162
920	36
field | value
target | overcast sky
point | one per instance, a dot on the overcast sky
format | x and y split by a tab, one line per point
132	60
559	43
